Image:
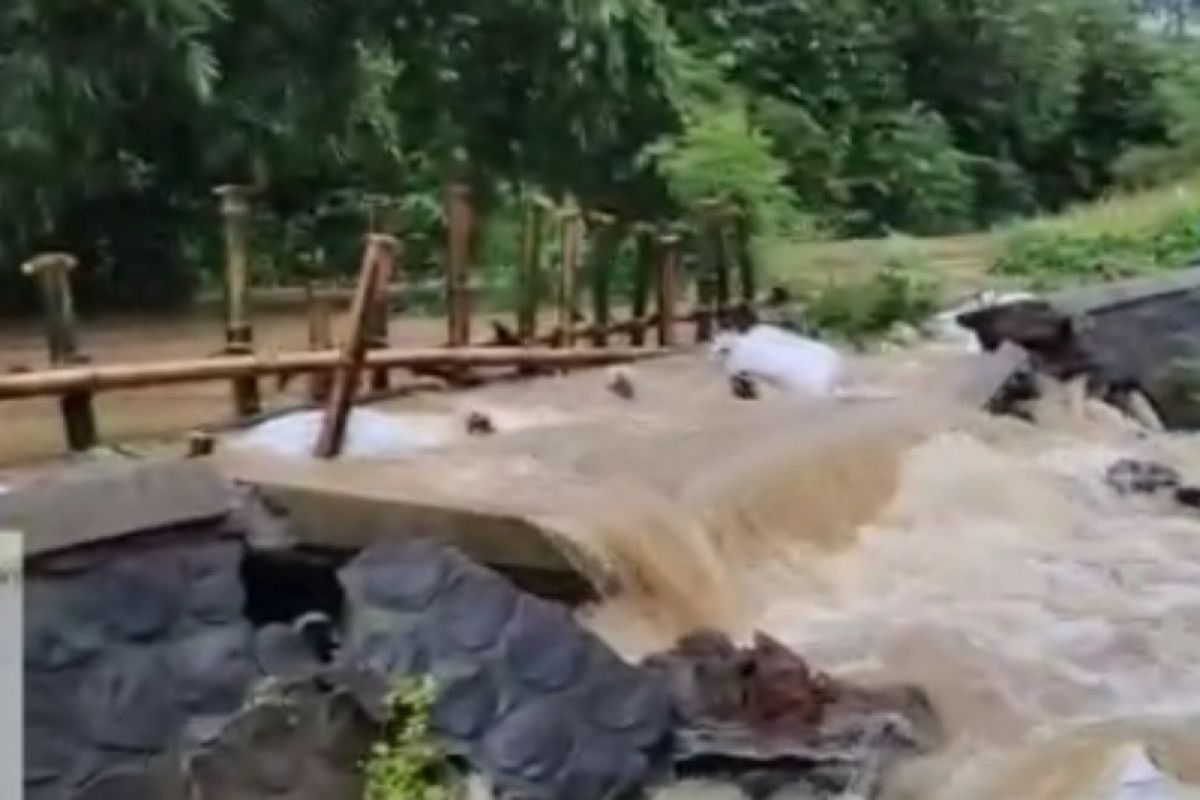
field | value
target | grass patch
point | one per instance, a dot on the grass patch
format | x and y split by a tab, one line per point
1119	237
406	764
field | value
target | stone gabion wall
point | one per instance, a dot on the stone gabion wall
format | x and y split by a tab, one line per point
134	652
146	679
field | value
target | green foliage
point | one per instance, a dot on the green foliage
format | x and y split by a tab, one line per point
1161	231
406	764
720	154
906	290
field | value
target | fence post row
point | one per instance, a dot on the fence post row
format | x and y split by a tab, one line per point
239	335
53	273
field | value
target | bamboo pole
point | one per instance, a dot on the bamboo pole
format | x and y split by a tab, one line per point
458	299
113	377
53	273
642	279
668	276
239	335
320	337
571	234
605	238
376	269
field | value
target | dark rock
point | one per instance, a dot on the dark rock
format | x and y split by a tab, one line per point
63	626
213	668
282	652
474	608
466	706
1188	496
1129	476
142	595
398	577
215	594
128	702
530	747
744	387
762	716
543	647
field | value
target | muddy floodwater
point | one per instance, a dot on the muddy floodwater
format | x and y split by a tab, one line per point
895	535
1055	623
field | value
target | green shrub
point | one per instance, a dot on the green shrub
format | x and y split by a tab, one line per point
906	290
1046	257
406	764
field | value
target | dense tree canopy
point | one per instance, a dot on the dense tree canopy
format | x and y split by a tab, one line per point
117	117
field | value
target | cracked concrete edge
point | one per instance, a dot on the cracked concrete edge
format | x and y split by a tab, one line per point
102	502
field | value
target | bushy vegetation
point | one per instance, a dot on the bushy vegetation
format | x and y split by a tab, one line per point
848	117
905	291
1122	236
405	764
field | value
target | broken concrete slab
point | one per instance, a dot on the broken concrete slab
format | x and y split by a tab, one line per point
110	499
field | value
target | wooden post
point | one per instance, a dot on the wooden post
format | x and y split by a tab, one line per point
710	283
458	298
743	249
239	336
530	281
376	266
52	271
320	337
571	235
605	237
378	313
668	276
642	278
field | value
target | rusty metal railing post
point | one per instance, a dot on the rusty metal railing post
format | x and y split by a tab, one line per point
53	273
239	335
460	221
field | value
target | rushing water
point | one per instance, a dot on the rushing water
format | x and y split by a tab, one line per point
1055	624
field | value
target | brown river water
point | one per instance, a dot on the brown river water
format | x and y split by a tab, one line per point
1055	624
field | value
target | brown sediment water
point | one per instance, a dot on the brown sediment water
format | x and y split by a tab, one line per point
1054	623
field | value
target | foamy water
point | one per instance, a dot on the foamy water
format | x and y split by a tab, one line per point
1055	624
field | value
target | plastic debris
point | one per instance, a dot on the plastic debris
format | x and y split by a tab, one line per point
369	434
785	360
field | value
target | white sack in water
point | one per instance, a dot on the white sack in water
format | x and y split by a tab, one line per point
780	358
369	434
